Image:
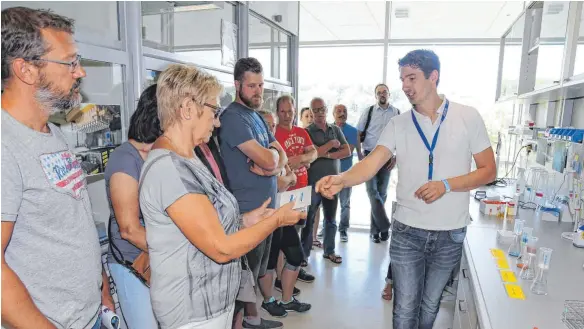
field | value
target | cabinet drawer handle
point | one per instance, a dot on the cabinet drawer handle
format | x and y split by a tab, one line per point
462	306
464	274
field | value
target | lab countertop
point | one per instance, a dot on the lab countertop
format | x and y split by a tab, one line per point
565	277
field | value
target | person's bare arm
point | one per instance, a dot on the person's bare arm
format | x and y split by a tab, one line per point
343	152
203	228
361	172
358	147
18	309
284	182
106	296
360	154
485	173
267	158
323	150
310	154
283	158
125	202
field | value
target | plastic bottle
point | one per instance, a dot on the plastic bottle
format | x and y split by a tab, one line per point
520	184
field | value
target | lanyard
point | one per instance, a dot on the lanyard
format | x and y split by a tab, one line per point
430	148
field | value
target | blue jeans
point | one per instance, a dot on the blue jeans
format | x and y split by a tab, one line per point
422	262
329	210
377	191
345	200
134	298
97	323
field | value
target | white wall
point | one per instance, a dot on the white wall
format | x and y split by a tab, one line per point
98	17
288	9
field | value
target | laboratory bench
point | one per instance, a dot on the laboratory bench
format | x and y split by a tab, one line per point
481	298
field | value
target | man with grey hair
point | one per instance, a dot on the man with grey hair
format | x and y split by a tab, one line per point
331	146
51	270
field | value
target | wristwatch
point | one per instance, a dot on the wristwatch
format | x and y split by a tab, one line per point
446	185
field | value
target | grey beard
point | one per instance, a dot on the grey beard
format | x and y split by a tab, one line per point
53	103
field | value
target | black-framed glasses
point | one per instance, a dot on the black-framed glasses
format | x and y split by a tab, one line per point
319	109
217	110
73	65
383	93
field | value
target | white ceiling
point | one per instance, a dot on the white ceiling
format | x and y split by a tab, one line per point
365	20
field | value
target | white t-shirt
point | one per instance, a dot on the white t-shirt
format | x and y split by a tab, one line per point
463	133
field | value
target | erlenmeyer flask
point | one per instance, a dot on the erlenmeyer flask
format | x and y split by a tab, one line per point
515	248
539	285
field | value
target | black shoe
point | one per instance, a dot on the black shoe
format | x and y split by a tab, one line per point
305	277
275	309
384	236
375	238
278	286
296	306
344	236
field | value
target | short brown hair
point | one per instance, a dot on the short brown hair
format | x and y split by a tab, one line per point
284	98
22	37
180	81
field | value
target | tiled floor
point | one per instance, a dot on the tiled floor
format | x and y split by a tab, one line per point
349	295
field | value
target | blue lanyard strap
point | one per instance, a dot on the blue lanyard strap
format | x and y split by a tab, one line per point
430	148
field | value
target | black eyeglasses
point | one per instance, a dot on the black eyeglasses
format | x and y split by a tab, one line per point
217	110
383	93
319	109
73	65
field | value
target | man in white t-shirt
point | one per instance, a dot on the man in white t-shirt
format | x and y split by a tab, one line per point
434	178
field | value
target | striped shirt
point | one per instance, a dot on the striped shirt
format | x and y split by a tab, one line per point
186	285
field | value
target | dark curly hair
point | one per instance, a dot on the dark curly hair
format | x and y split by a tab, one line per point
248	64
425	60
144	123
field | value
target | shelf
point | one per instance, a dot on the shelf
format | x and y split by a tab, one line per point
550	94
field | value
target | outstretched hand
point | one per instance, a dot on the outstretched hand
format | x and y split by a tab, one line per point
329	186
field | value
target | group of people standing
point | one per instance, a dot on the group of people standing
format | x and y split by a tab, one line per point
194	227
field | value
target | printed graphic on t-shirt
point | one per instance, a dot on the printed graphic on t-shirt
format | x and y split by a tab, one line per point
260	131
64	172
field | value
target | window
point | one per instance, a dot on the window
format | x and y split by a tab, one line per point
93	18
468	76
270	46
347	76
190	28
554	20
512	59
579	61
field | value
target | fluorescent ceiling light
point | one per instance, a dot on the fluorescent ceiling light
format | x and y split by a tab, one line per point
154	8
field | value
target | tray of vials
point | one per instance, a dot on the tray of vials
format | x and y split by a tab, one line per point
573	316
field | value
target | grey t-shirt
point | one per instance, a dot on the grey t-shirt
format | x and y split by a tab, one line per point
186	285
322	166
125	159
54	248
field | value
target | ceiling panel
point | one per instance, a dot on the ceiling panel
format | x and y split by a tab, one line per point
331	21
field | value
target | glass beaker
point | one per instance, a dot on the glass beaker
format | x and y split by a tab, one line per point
522	258
528	268
541	187
515	248
539	285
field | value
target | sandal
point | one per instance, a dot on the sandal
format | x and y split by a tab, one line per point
334	258
317	243
387	292
303	263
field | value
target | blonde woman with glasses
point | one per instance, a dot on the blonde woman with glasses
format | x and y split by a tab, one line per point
194	231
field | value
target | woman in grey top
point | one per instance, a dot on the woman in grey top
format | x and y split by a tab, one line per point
192	220
126	227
